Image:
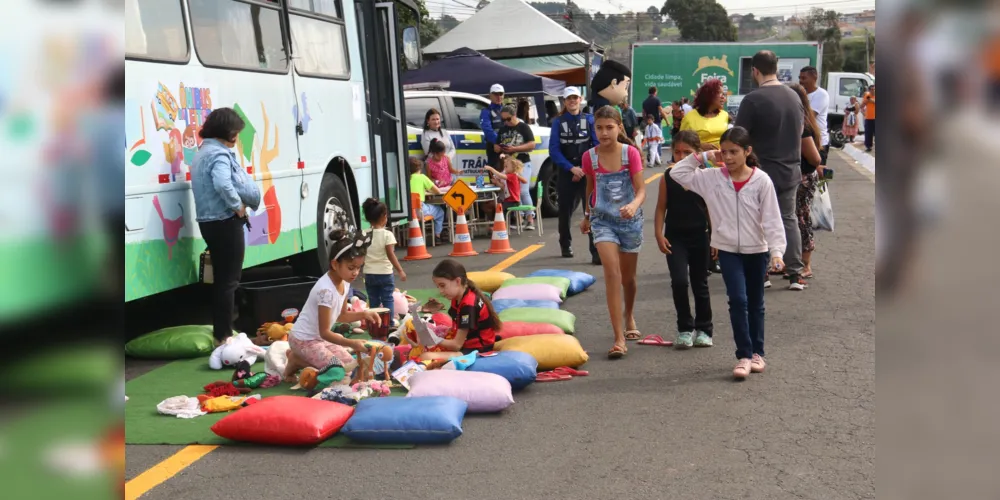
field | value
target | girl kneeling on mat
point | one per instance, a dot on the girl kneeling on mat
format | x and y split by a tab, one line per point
312	340
746	227
474	322
613	212
682	234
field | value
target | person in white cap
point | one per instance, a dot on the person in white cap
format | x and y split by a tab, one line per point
490	122
572	135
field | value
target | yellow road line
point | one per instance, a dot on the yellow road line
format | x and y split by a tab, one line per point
513	259
164	470
653	178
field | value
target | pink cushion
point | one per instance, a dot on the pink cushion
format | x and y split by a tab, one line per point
483	392
519	329
537	291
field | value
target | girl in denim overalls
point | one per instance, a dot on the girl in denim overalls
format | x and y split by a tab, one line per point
615	192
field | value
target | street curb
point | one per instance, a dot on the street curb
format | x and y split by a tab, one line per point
866	160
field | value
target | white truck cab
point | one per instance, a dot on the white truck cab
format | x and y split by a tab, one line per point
842	86
460	117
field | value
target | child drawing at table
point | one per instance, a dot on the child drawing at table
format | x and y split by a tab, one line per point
421	185
312	340
439	166
474	321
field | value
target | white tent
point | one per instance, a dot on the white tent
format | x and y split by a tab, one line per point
507	29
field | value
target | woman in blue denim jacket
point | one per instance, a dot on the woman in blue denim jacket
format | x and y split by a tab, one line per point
615	193
222	193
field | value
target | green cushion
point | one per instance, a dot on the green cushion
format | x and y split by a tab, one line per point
564	320
561	283
190	341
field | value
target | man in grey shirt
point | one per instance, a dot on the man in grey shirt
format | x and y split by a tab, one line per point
774	117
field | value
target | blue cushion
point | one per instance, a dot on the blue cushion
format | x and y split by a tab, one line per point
519	368
501	304
578	281
396	420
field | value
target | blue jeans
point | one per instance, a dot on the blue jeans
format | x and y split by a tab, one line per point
438	213
380	288
744	275
526	188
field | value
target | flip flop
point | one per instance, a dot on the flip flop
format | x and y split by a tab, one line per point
656	340
617	352
571	372
633	335
551	377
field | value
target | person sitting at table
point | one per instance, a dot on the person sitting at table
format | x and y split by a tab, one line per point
510	180
439	166
421	185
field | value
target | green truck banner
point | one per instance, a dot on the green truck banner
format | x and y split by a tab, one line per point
678	69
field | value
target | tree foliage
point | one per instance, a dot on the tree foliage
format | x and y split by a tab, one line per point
824	26
700	20
429	29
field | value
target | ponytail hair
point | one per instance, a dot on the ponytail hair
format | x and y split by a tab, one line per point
610	113
450	269
374	210
740	137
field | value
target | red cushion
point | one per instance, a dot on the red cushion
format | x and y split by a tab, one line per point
285	420
513	329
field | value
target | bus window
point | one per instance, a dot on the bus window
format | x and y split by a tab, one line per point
325	7
235	34
320	46
155	30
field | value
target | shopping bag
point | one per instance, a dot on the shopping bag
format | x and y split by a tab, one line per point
822	208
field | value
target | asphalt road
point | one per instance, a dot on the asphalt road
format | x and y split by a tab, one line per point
658	423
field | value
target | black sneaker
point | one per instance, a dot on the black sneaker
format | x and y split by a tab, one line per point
567	253
796	283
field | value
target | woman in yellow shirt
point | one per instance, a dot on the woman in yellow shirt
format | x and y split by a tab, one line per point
708	119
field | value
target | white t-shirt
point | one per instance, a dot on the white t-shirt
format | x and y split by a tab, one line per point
323	293
377	261
820	102
687	108
653	130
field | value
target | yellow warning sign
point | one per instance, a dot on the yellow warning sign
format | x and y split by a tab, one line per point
460	197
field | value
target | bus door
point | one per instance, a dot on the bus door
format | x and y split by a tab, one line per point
385	104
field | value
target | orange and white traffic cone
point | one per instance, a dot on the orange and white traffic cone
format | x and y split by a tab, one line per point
499	243
463	241
416	249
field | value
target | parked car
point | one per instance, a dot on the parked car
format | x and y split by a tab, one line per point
460	116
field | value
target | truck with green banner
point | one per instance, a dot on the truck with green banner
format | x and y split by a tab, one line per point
678	69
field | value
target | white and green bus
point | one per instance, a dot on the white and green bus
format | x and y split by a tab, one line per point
317	83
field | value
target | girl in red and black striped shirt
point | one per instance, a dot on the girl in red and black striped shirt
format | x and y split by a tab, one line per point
475	322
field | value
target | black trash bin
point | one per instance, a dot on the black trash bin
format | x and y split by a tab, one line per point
259	302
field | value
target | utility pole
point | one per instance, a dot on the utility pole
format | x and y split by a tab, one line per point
637	35
868	63
568	17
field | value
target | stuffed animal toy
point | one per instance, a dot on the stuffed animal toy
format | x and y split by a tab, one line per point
243	376
610	84
276	358
383	358
235	349
269	333
313	380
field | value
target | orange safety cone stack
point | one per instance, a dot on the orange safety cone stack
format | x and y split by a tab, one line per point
500	243
463	241
416	249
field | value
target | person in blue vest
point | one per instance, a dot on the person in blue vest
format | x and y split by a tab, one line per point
491	123
572	135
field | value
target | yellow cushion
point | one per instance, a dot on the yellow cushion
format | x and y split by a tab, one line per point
489	281
550	350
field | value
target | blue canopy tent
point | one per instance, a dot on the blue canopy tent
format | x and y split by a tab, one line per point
469	71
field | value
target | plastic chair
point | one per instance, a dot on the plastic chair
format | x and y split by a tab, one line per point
425	219
540	188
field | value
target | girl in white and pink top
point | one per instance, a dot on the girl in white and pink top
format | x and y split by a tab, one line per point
746	229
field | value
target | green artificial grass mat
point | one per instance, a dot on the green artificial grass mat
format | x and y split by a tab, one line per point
143	425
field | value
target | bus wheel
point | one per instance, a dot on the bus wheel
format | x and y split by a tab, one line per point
550	202
334	212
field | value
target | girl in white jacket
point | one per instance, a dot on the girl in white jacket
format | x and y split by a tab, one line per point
746	229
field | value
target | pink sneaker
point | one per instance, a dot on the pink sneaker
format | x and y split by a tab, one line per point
757	364
742	369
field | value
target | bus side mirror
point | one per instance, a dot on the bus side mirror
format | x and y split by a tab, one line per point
411	47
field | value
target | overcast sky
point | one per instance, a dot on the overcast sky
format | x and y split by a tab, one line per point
760	8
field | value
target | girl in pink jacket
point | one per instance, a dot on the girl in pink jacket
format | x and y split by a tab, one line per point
746	229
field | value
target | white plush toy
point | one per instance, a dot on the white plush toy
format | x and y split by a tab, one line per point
276	358
235	349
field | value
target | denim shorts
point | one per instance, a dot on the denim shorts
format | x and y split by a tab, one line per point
627	234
